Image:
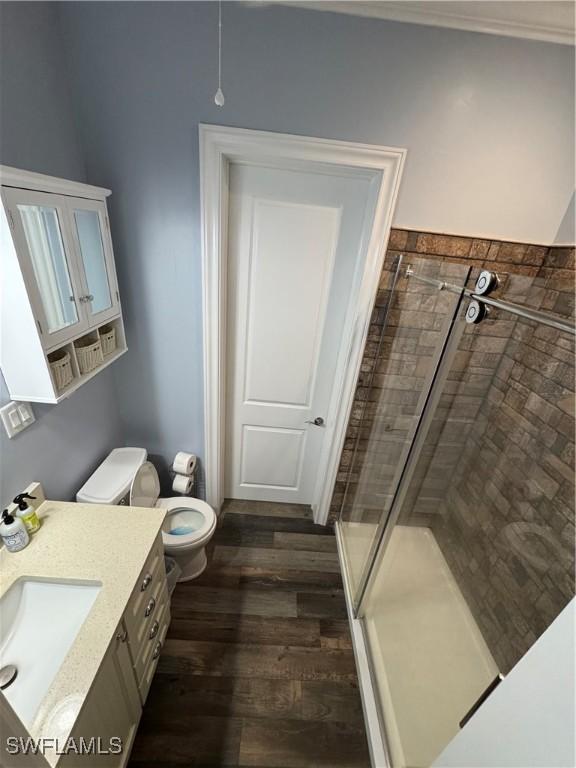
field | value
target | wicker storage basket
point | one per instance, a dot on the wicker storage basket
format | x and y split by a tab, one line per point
108	339
61	367
89	355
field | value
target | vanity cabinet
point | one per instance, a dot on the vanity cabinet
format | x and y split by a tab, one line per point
61	317
111	711
114	704
147	618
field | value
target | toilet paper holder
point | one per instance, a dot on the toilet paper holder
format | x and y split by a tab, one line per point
183	470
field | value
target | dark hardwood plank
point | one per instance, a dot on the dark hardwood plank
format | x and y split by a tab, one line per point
311	542
188	657
251	577
335	633
287	524
213	576
190	741
328	605
272	558
177	698
326	700
302	744
221	600
244	537
233	628
280	578
267	509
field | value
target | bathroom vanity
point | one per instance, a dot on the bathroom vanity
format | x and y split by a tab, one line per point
83	618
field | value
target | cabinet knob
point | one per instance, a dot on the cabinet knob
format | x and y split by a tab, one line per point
157	650
122	636
154	630
146	582
150	607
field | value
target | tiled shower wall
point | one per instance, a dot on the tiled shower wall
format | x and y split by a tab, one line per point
495	481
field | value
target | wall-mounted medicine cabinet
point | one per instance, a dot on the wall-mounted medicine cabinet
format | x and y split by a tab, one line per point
60	315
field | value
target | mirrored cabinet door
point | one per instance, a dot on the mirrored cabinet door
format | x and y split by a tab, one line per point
90	228
48	266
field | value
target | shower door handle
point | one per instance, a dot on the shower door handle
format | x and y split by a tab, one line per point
318	421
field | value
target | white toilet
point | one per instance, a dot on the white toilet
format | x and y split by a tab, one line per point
126	477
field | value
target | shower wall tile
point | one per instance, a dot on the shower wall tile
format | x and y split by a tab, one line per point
506	521
500	452
443	245
542	277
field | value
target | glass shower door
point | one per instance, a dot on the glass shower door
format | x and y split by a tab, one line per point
409	328
478	557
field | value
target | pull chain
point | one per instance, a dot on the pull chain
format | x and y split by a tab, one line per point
219	96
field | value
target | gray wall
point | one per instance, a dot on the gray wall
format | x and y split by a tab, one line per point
487	121
38	132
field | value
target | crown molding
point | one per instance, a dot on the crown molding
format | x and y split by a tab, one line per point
453	15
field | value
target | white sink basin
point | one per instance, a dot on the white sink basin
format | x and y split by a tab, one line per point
39	621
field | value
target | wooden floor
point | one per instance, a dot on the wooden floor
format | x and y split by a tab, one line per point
257	669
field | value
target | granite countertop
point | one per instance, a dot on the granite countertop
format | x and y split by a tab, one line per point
83	542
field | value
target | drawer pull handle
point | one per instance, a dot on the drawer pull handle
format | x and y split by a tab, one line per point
154	630
150	607
122	636
146	582
157	650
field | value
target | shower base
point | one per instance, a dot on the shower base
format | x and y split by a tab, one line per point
430	660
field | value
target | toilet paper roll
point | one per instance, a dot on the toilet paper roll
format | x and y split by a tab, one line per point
182	484
184	463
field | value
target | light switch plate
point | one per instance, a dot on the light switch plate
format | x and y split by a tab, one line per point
16	417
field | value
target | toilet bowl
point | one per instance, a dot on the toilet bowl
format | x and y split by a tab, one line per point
188	527
126	477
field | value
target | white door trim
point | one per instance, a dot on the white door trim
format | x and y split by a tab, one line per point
219	146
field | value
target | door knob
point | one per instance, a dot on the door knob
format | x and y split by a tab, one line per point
318	421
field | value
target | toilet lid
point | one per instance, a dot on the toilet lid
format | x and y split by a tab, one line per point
145	487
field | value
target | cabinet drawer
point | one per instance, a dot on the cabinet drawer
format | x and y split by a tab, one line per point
153	630
152	661
143	601
148	612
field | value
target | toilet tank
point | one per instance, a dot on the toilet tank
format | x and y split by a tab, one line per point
110	483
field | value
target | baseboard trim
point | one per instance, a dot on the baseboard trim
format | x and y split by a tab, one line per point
379	756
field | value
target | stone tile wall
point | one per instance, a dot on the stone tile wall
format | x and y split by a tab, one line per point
495	481
505	520
393	382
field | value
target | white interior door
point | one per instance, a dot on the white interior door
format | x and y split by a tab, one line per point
296	244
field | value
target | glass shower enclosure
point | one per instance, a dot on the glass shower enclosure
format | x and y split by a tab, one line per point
457	524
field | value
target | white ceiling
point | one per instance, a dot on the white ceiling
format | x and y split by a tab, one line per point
550	20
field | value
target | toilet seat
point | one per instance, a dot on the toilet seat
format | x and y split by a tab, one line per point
181	511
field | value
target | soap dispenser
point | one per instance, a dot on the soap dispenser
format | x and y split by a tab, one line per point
13	532
26	513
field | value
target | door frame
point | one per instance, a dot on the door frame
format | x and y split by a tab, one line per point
219	147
